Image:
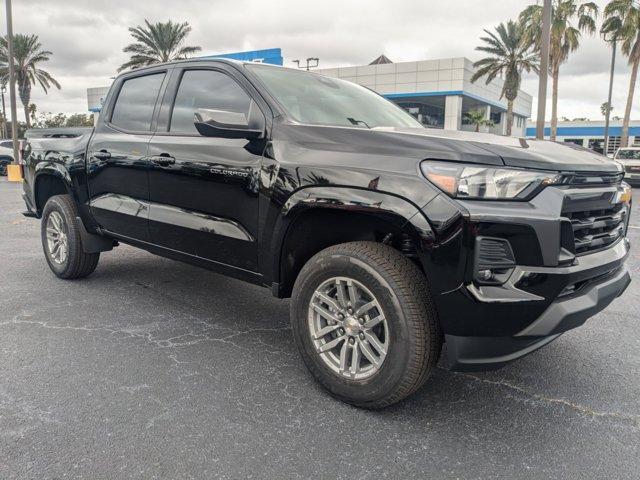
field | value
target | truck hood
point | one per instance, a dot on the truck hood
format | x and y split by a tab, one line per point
361	146
526	153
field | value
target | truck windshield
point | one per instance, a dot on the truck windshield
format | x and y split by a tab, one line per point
628	154
316	99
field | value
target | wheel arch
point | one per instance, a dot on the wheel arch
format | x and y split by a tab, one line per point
315	218
50	180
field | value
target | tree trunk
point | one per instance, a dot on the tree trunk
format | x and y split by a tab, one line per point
555	74
24	88
477	127
509	116
624	140
26	116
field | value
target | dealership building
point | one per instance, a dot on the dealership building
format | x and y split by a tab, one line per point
591	134
437	92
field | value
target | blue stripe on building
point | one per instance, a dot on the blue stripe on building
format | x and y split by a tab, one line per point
585	131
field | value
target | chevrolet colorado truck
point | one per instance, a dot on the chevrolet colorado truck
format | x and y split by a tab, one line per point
391	240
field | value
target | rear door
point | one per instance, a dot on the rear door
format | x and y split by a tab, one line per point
117	163
204	190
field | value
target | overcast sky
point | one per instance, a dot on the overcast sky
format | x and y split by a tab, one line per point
87	37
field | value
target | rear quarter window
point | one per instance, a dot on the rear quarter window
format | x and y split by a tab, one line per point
136	102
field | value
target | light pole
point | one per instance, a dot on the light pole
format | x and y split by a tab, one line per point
312	62
12	86
544	68
5	134
608	115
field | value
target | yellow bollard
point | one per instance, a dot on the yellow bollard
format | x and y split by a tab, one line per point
14	173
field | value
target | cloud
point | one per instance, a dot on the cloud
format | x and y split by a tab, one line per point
87	38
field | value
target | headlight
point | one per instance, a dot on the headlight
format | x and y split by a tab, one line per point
486	183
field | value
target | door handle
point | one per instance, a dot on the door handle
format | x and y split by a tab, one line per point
163	160
102	155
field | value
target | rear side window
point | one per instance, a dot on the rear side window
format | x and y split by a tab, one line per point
206	89
135	103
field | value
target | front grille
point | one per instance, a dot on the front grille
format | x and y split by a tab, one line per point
597	229
584	179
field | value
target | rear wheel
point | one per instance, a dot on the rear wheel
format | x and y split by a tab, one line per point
61	240
364	323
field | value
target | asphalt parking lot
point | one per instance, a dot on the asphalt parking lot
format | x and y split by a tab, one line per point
154	369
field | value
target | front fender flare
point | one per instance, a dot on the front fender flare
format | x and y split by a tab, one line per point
392	208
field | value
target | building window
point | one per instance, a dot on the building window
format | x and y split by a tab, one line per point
577	141
614	144
428	115
496	117
596	144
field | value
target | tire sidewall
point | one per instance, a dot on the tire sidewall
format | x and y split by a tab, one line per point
401	344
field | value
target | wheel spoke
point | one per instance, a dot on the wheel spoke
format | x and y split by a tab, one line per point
328	300
326	314
344	354
367	352
342	297
373	340
332	344
372	322
355	359
366	307
52	232
56	221
326	330
353	293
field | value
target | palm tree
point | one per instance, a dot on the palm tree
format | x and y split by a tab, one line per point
565	38
604	108
477	118
27	55
157	43
510	56
622	22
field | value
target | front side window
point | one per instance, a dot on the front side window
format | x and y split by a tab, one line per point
320	100
136	101
206	89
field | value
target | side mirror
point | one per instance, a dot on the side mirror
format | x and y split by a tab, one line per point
224	124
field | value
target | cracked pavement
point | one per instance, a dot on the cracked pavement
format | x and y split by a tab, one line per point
154	369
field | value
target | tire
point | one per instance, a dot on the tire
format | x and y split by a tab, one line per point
411	333
3	169
60	214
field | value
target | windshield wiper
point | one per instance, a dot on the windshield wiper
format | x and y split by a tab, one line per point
358	122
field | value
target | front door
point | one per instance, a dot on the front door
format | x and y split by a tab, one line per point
117	163
203	190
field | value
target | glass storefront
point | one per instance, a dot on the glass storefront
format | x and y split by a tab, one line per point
429	115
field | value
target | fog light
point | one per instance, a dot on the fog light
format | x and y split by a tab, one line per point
494	261
485	275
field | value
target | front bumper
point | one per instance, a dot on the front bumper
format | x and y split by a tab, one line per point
486	326
488	353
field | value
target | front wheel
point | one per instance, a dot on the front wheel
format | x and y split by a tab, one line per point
61	240
364	323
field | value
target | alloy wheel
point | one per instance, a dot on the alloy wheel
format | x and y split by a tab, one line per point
348	328
57	240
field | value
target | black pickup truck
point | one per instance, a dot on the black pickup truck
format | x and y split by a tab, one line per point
392	240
